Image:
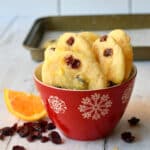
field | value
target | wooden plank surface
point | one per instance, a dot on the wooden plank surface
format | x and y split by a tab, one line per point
139	107
16	73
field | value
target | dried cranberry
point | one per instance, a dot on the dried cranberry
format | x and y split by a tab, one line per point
18	147
70	41
103	38
128	137
43	122
37	126
51	126
44	125
133	121
7	131
33	131
108	52
76	64
44	139
36	134
29	124
31	138
14	127
55	137
23	131
72	62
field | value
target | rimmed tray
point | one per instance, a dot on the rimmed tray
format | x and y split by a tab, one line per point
50	27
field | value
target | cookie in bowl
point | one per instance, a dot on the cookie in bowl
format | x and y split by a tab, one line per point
111	59
74	83
123	40
74	42
72	70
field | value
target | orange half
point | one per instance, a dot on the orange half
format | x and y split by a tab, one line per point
24	106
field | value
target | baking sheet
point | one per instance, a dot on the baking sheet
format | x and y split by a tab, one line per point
139	37
49	28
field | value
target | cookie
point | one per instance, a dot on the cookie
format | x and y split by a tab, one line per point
111	58
123	40
89	36
74	42
72	70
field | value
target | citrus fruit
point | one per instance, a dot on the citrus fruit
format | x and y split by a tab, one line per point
23	105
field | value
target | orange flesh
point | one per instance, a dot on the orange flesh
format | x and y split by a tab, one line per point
26	104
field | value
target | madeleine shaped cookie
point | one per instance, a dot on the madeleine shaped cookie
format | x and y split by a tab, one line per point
89	36
72	70
123	41
74	42
111	58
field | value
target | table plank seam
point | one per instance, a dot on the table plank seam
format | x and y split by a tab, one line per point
105	143
8	143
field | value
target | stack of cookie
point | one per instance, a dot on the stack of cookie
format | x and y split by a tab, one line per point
85	60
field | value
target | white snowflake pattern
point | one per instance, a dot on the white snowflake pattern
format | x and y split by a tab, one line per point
95	106
126	94
57	105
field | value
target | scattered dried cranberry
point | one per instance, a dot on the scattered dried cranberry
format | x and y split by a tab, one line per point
36	134
18	147
23	131
32	131
103	38
70	41
55	137
128	137
40	126
133	121
31	138
72	62
37	126
43	122
44	125
29	124
108	52
14	127
7	131
44	139
51	126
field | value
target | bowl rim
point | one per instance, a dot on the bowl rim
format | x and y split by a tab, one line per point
134	73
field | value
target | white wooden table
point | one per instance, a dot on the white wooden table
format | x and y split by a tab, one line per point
16	73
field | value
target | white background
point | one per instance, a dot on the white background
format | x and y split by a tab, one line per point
72	7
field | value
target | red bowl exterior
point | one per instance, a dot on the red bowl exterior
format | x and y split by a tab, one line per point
88	114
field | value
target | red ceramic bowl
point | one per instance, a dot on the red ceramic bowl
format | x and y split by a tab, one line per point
85	114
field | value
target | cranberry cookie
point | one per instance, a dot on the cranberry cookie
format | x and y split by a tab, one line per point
72	70
74	42
111	58
123	40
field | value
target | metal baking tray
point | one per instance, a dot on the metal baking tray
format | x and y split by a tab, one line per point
51	27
